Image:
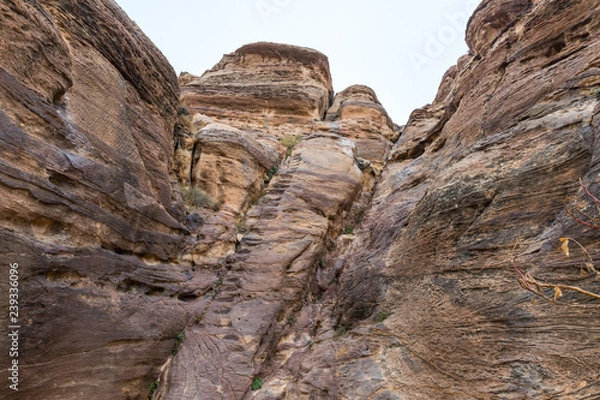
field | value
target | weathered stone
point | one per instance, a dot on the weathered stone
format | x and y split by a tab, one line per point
490	20
477	179
86	206
264	83
306	253
358	115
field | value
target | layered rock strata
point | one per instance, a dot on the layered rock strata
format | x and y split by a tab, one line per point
428	303
287	181
286	243
88	208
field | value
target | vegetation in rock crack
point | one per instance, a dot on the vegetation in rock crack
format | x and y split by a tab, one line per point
198	198
257	383
153	387
577	208
340	331
240	225
178	342
184	121
349	230
291	320
289	142
181	110
383	315
270	173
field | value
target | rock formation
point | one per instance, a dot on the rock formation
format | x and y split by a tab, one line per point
89	206
286	242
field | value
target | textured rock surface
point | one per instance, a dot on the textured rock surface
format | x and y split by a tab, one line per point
87	106
270	82
428	298
286	182
290	235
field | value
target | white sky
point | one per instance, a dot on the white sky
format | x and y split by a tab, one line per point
401	49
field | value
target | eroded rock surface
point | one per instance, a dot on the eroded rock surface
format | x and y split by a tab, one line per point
287	181
428	303
88	210
265	228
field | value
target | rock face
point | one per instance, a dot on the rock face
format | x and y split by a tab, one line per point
285	243
88	210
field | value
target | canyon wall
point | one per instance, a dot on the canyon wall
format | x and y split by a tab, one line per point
250	234
89	206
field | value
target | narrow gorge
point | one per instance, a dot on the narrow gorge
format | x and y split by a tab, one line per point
248	233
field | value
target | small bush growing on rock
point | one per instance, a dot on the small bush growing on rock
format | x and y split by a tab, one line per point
198	198
184	122
257	383
178	342
349	230
289	142
270	173
383	315
340	331
153	387
240	225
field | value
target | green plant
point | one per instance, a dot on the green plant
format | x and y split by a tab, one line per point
198	198
340	331
289	142
178	342
153	387
291	320
382	316
184	119
240	225
349	230
597	92
257	383
270	173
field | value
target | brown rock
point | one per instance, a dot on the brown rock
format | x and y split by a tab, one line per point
264	83
360	117
268	274
348	271
86	207
490	20
476	179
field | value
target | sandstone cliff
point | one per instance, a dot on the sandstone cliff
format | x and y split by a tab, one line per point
89	206
287	242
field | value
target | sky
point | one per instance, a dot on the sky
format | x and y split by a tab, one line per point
400	49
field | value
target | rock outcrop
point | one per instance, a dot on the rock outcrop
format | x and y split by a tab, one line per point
261	237
428	303
88	207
